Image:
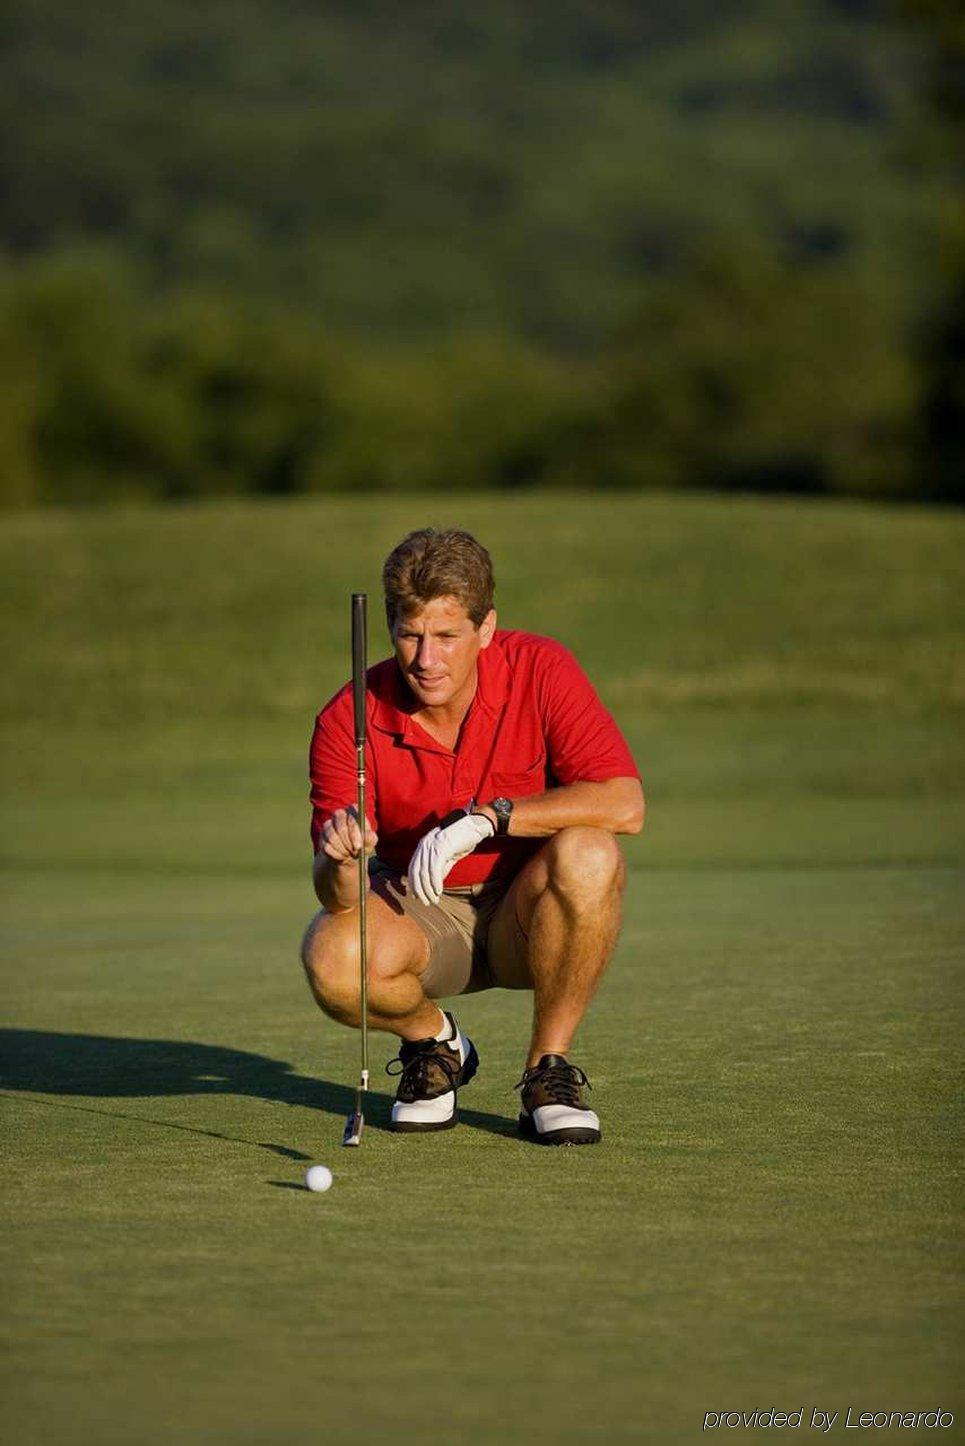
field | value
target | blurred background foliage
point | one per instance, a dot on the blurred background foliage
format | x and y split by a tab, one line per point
284	248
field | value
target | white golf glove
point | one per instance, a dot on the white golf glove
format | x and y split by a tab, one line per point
441	848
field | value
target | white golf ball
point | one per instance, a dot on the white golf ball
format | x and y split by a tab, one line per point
318	1177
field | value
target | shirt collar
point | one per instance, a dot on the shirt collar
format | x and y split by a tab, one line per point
492	688
394	703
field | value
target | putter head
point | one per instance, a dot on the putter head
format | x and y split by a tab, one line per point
353	1128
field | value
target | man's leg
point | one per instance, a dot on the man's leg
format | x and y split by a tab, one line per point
435	1059
397	954
555	930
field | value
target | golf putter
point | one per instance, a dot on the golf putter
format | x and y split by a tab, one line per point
356	1120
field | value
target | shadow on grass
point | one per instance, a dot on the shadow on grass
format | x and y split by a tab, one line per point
91	1066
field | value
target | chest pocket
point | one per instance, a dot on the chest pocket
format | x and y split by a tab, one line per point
518	783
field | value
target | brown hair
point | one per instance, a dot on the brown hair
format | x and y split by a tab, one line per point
428	564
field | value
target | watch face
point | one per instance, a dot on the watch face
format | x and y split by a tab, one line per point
502	808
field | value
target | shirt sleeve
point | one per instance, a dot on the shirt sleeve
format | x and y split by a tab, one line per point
584	743
332	764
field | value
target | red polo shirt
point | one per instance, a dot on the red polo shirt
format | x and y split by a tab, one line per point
535	722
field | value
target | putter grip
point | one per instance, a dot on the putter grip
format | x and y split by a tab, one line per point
359	601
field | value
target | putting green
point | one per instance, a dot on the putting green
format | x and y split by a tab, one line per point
772	1219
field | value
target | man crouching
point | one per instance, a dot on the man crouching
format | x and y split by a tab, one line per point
497	782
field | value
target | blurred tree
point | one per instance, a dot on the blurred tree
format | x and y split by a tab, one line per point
942	352
473	411
85	425
587	243
757	376
255	388
113	397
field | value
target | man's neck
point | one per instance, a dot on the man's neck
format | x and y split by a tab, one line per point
449	716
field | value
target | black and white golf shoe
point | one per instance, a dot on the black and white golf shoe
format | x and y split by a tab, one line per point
430	1072
554	1111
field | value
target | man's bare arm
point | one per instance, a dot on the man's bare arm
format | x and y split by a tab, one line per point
616	805
336	871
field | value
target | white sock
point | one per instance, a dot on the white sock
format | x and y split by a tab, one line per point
446	1032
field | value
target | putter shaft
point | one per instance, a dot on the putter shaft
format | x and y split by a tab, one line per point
356	1120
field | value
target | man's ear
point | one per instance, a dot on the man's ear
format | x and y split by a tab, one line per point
486	628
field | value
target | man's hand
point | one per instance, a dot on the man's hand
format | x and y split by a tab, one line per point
341	837
441	848
335	870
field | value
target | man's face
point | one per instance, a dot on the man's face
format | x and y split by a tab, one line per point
437	650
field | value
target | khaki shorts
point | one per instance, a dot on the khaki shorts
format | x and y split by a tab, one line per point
457	928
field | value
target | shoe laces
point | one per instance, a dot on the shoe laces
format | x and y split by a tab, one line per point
562	1082
415	1058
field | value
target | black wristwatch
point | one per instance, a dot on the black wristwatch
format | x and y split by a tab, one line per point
502	808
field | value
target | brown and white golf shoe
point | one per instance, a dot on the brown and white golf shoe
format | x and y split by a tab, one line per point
554	1111
430	1073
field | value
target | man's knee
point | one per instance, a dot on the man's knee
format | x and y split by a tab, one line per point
584	864
330	955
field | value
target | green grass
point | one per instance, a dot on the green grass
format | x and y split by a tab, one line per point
772	1219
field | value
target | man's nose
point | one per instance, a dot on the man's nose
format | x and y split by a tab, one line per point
427	652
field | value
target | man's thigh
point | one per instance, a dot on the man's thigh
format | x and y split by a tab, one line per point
394	942
507	944
448	946
451	963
